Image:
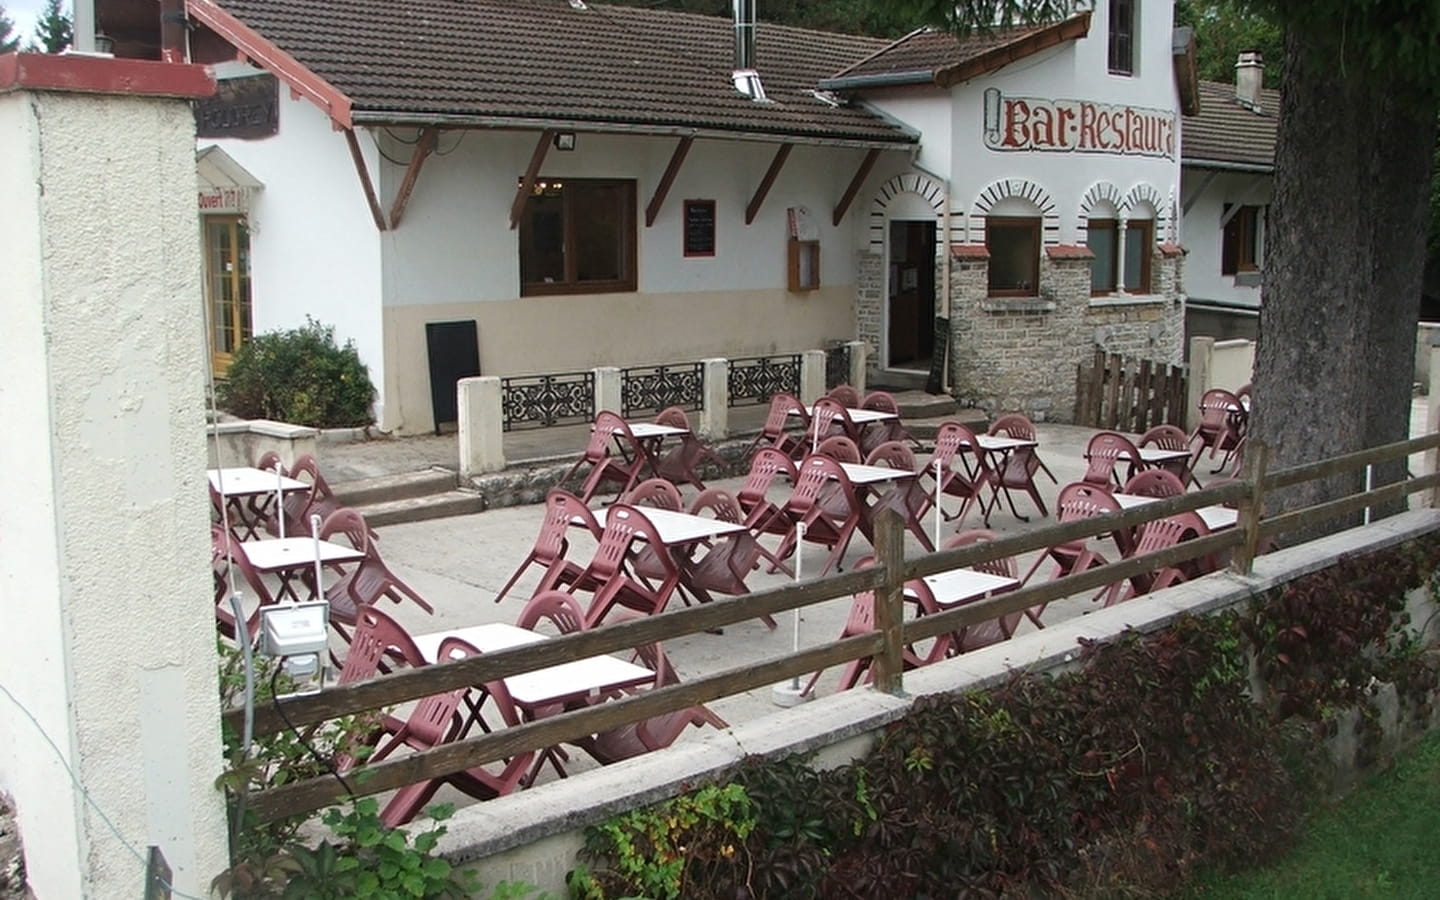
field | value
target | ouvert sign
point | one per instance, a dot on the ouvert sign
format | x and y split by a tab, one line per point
1076	126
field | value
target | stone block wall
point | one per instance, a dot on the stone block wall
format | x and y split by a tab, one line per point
870	301
1020	354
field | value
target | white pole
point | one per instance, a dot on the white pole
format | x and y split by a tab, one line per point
315	530
1369	482
795	613
938	493
280	500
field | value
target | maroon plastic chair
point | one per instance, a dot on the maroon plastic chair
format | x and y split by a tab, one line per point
839	448
824	502
643	592
227	560
299	506
1000	628
1220	428
1154	483
1162	534
830	417
846	395
680	463
963	470
762	515
378	644
558	608
435	721
775	434
260	507
655	733
1078	501
730	557
889	430
624	470
861	620
1017	472
906	496
1105	451
655	492
366	582
563	511
1170	437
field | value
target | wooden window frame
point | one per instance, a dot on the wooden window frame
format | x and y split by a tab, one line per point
1120	55
1241	253
1111	225
1146	227
803	256
1033	225
241	286
628	232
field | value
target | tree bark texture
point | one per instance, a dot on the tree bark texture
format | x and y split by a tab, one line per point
1344	257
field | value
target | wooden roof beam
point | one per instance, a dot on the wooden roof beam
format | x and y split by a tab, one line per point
861	174
364	172
532	172
429	137
782	153
652	209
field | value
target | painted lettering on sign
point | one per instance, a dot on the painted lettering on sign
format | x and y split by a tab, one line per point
1076	126
223	200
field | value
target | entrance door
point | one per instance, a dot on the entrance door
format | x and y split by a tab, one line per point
227	287
911	307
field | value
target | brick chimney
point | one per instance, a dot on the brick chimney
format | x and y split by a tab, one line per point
1249	75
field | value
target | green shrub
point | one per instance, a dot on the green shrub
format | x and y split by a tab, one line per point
300	376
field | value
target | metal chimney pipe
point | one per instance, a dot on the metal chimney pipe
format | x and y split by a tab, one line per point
172	31
744	34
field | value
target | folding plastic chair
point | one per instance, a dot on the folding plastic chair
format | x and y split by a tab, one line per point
679	464
1000	628
774	432
824	502
1105	451
730	558
1219	429
605	467
655	492
839	448
299	506
228	559
1018	468
861	620
830	417
1154	483
845	395
563	511
906	497
762	515
367	581
645	593
1170	437
963	470
1078	501
890	430
656	732
1162	534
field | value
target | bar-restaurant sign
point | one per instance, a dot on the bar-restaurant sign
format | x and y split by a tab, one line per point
1076	126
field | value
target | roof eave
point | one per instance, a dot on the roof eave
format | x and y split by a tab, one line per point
284	66
993	60
902	140
885	79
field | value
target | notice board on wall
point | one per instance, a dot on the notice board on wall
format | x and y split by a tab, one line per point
699	227
939	357
454	353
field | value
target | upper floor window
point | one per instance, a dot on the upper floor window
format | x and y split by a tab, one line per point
1240	244
1014	245
1122	37
577	236
1108	272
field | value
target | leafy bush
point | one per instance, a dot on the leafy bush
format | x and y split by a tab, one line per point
299	376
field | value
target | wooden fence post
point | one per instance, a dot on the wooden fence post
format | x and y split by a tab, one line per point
1257	459
890	602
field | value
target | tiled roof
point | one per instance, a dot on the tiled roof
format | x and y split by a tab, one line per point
1228	133
924	52
539	61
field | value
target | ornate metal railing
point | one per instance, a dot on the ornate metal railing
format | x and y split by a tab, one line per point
539	401
649	389
755	379
837	366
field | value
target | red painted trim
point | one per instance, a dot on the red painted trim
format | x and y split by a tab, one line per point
284	66
103	75
1069	251
1170	251
969	251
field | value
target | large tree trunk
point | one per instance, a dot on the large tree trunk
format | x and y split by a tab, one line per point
1344	258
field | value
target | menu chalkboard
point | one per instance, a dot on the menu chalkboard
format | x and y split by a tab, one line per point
939	356
699	227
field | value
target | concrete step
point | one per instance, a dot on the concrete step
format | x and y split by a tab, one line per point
920	405
925	430
390	488
416	509
896	382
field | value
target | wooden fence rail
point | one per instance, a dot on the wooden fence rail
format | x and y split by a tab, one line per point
885	644
1129	395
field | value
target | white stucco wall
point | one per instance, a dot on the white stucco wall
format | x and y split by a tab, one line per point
1202	235
314	246
103	570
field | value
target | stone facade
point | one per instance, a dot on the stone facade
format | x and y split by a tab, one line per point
869	301
1020	354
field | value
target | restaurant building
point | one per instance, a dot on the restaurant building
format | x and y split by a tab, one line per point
545	186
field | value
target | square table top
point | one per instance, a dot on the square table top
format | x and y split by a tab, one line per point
1002	442
241	481
1155	455
863	474
652	430
554	684
278	554
1216	518
858	416
680	528
959	586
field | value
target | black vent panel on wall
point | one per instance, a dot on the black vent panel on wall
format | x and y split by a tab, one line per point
454	352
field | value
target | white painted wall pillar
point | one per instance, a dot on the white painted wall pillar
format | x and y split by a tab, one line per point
812	376
715	406
1201	349
607	389
107	592
482	425
859	350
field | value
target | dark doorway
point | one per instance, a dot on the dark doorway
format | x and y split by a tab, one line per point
912	294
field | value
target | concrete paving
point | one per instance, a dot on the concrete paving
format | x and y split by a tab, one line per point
460	563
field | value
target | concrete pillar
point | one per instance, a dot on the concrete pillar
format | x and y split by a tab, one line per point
607	389
859	350
482	425
715	408
1201	349
110	667
812	376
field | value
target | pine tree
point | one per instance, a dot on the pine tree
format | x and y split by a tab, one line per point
9	41
54	31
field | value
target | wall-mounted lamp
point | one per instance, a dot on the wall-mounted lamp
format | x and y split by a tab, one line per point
565	140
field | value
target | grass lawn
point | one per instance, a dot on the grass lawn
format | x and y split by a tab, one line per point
1380	841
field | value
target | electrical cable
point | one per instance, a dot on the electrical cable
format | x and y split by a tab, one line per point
60	758
304	742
